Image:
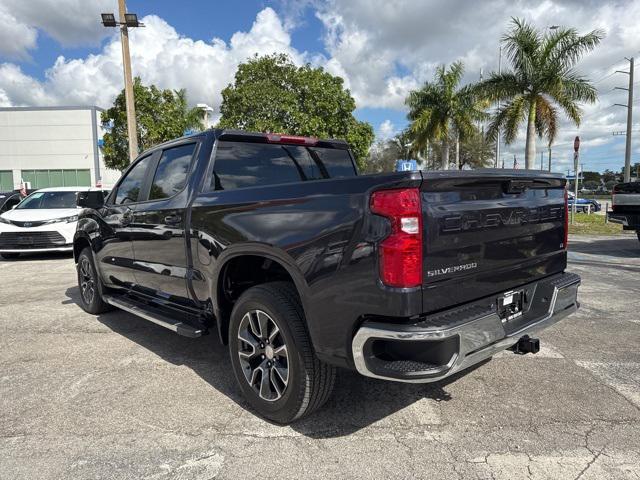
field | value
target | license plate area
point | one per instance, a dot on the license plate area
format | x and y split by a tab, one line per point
510	305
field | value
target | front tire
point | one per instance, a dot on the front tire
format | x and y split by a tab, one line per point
9	256
272	356
89	285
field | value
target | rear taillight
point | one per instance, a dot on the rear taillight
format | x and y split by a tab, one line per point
566	219
401	251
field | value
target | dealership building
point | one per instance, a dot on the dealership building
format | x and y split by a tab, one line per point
52	147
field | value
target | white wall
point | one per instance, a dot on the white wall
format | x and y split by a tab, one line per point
50	139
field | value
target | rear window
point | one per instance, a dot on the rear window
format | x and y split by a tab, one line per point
242	164
337	163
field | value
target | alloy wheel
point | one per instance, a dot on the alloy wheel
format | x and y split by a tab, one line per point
87	283
263	355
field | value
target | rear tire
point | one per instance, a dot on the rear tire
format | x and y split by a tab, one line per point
90	285
9	256
272	357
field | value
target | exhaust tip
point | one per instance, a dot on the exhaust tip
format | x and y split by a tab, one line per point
526	345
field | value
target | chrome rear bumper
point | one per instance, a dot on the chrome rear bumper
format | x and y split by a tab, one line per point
475	332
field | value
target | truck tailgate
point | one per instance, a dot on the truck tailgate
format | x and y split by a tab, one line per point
488	231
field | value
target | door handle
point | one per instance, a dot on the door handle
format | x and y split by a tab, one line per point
172	219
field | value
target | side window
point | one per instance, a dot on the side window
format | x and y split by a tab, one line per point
243	164
171	174
129	188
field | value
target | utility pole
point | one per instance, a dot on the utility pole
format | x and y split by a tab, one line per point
128	83
629	106
495	164
126	20
549	147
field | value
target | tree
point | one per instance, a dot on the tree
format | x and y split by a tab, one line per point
161	115
635	170
588	176
271	94
382	156
609	176
440	110
476	151
542	79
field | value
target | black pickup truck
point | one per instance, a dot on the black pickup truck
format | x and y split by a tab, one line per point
301	265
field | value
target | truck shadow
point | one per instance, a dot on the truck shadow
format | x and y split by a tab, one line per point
357	402
626	246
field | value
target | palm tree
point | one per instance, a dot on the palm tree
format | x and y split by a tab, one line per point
542	79
440	109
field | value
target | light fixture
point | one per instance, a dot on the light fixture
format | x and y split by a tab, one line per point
108	20
131	20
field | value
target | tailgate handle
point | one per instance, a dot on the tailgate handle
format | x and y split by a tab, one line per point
516	186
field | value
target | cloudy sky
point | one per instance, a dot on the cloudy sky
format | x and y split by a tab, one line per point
58	53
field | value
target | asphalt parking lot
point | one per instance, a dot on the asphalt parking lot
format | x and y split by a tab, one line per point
114	396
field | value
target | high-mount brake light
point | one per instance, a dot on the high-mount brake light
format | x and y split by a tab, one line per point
276	138
401	251
566	219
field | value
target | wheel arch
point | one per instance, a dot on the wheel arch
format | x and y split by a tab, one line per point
265	264
80	242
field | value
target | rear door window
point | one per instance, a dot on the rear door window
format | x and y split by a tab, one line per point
172	171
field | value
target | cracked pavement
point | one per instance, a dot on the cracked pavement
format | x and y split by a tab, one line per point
116	397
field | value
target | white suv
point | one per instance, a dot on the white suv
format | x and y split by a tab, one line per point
45	221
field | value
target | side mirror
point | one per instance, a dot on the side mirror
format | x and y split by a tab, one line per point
93	199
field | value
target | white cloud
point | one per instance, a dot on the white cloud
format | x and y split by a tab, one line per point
386	130
159	55
16	38
70	22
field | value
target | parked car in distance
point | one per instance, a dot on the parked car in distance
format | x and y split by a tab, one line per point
44	221
8	200
625	206
300	265
583	203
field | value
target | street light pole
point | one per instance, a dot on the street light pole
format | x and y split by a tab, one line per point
126	20
627	150
128	83
629	106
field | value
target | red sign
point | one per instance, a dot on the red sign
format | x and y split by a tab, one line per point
576	144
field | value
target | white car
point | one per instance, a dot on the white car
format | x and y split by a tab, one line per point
45	221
